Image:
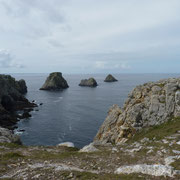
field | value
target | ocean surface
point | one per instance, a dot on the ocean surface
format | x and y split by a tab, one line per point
74	114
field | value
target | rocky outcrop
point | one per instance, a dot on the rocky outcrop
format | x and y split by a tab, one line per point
110	78
91	82
147	105
153	170
55	81
22	86
12	100
89	148
7	136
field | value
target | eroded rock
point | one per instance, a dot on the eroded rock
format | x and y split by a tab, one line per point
110	78
55	81
147	105
91	82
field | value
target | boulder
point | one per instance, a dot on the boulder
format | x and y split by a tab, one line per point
147	105
110	78
91	82
66	144
55	81
89	148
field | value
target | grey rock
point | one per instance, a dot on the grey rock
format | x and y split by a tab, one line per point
89	148
7	136
110	78
66	144
155	170
55	81
147	105
91	82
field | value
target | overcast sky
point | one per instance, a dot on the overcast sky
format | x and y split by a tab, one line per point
90	36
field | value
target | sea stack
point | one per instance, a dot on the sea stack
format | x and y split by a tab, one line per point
110	78
55	82
91	82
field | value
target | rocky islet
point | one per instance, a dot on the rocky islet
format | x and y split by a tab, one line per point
110	78
91	82
54	82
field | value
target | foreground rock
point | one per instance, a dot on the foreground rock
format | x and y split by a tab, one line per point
89	148
91	82
55	81
147	105
110	78
66	144
154	170
7	136
12	100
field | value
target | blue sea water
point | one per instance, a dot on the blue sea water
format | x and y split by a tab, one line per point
74	114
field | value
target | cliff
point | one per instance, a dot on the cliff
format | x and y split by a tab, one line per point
11	100
147	105
149	123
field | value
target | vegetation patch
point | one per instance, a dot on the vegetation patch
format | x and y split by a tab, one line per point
158	132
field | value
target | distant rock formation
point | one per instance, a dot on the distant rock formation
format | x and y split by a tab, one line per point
150	104
55	82
110	78
12	100
91	82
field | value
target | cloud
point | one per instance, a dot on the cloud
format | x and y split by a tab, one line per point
33	19
7	61
101	34
104	65
55	43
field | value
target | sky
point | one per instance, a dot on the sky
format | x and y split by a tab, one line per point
90	36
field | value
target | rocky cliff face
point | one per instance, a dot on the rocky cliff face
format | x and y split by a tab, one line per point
150	104
55	81
12	99
91	82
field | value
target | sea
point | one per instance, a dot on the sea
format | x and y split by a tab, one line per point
74	114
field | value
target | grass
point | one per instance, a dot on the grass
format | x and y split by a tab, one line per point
11	145
159	132
176	164
10	156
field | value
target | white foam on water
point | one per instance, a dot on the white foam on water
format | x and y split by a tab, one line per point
59	99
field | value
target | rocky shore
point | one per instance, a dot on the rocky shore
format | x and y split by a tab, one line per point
12	100
139	141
